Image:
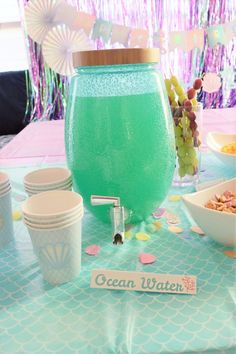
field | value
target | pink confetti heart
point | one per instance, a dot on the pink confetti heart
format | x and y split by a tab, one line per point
147	258
92	250
158	213
20	198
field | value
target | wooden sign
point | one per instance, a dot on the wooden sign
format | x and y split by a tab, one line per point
140	281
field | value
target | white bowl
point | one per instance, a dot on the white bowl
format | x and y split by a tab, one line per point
218	225
216	141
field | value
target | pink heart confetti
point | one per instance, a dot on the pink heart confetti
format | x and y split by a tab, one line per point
92	250
158	213
147	258
20	198
197	230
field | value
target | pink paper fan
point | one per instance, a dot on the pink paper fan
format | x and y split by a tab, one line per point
58	46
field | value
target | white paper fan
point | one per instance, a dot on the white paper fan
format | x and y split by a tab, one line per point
58	46
39	18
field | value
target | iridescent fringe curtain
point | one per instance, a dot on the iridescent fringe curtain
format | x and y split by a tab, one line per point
47	90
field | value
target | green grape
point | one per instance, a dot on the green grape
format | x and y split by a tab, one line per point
187	160
181	151
178	131
188	134
174	80
179	141
195	162
194	102
181	162
171	94
189	142
192	153
174	103
182	97
179	91
190	170
182	171
168	85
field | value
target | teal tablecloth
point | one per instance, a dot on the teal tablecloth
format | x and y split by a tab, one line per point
72	318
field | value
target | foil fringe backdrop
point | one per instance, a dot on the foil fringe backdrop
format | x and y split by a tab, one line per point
47	90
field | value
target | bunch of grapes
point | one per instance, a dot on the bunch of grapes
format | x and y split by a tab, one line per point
183	107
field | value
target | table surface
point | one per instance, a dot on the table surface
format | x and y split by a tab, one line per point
36	317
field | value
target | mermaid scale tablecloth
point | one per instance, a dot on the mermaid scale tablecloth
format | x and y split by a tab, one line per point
72	318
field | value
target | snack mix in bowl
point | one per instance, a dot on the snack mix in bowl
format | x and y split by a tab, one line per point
229	148
225	202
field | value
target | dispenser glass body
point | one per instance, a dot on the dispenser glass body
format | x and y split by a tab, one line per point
119	137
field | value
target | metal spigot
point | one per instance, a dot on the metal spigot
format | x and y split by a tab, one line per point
117	216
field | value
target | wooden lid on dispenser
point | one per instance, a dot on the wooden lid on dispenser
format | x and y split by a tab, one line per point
116	56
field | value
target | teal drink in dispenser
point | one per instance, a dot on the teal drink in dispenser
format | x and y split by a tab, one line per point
119	133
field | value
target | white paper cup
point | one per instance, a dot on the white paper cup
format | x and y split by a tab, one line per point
47	176
51	187
55	224
4	179
4	186
52	204
58	252
48	186
4	183
31	191
6	223
53	219
5	190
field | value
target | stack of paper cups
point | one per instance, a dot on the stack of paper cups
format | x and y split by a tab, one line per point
6	224
53	220
47	179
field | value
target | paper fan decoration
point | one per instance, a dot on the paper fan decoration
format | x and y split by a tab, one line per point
39	18
211	83
58	46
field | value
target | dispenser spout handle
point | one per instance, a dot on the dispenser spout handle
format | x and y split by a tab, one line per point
101	200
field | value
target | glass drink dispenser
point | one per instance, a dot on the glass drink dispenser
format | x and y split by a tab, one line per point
119	134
